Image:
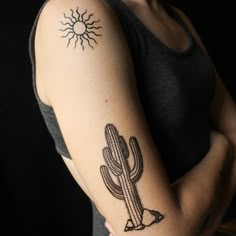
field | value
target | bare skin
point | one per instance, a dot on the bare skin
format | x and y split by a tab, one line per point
158	22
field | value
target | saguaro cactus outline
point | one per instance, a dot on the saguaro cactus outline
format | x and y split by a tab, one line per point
116	156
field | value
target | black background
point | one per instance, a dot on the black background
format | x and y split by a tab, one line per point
39	196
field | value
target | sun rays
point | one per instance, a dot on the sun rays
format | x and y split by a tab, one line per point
76	27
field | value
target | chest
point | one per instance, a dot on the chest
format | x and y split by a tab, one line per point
176	91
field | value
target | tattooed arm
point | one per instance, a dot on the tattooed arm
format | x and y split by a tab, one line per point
85	63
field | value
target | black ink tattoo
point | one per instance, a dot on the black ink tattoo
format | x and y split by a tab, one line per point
76	27
116	156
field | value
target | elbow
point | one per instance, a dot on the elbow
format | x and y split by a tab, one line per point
182	227
188	225
175	224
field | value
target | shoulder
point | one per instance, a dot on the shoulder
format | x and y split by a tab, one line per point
78	34
53	9
78	24
78	39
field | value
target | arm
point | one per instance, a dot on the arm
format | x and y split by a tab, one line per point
94	97
223	110
223	116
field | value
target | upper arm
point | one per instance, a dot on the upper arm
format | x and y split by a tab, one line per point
223	108
94	96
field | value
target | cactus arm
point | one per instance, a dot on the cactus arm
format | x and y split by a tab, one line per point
114	189
112	164
137	170
116	145
124	147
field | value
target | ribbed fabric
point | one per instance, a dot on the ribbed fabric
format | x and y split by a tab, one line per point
47	111
175	87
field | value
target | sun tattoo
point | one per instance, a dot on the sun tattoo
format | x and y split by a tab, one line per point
76	27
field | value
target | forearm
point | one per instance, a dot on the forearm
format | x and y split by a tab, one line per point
232	138
223	201
199	188
196	191
219	208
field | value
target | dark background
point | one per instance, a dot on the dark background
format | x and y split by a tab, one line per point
39	196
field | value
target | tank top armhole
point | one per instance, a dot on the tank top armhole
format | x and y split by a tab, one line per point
31	44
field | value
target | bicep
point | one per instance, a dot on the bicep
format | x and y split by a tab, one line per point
94	96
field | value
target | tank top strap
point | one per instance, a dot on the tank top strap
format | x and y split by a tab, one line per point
173	13
132	32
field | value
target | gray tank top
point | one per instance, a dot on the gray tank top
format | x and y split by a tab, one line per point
175	87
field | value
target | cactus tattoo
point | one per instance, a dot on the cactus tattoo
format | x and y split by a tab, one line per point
116	156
